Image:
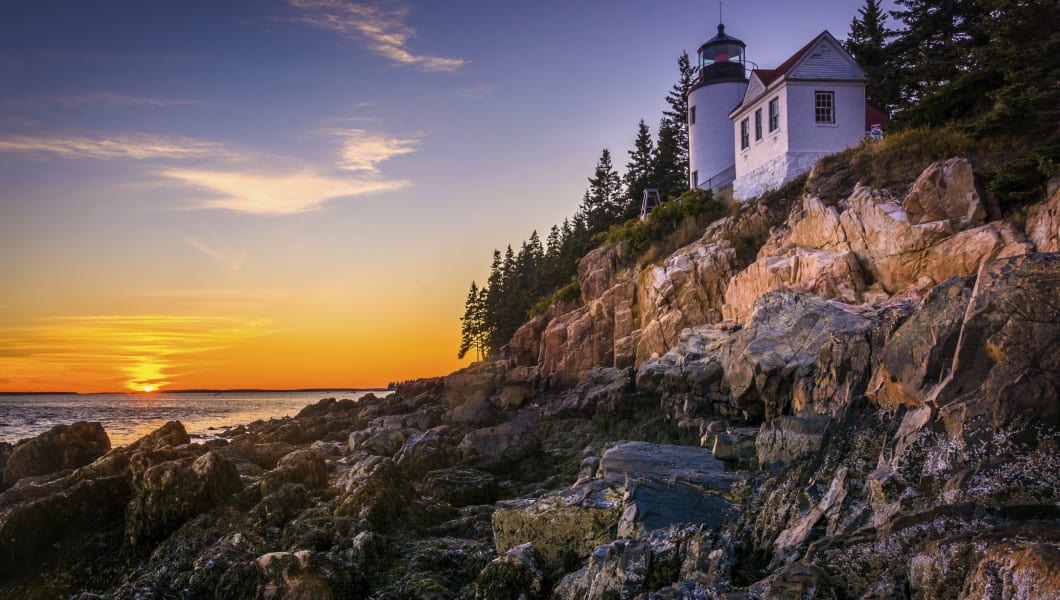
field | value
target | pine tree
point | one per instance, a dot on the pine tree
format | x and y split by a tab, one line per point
639	169
935	55
603	199
1023	56
666	172
867	43
474	328
678	113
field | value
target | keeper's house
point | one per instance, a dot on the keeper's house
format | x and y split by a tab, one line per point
810	106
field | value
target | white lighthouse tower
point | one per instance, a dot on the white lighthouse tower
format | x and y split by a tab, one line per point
720	87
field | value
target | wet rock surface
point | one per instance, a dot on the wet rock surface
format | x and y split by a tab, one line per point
896	441
62	447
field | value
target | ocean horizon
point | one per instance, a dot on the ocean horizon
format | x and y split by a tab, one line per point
128	416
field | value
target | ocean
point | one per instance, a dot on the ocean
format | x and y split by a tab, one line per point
127	417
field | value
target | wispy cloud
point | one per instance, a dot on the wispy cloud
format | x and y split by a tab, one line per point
274	194
234	263
363	150
138	350
101	99
239	180
382	28
136	147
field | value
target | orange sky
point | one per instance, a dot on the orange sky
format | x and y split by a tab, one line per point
298	194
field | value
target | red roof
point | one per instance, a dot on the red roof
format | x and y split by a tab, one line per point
768	76
794	58
874	117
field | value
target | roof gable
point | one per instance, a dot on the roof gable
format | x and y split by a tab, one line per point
755	87
823	58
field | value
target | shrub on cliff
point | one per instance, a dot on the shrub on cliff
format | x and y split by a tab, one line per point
673	223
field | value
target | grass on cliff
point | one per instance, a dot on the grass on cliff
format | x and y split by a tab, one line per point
670	225
1015	170
567	294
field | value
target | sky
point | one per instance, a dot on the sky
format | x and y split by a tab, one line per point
298	193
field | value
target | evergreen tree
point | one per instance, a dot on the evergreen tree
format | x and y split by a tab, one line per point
678	113
603	199
666	172
867	43
935	55
639	169
1023	56
474	327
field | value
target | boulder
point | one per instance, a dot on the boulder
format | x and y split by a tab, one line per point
525	346
619	569
687	289
377	440
946	191
427	451
797	580
290	576
688	377
479	380
640	568
736	445
374	489
564	526
515	574
497	447
822	272
1043	224
920	352
903	256
169	493
170	435
786	438
78	505
1006	370
61	447
1020	561
666	485
797	354
306	467
475	411
460	487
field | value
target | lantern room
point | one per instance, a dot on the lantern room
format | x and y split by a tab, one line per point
721	58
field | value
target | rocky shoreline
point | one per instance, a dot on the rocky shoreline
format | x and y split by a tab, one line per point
878	419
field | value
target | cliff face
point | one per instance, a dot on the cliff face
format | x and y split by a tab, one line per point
878	417
869	249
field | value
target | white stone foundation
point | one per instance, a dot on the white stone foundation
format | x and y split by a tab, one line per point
773	174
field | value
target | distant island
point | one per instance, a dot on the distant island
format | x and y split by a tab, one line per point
208	391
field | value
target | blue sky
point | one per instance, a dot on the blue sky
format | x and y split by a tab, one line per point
161	157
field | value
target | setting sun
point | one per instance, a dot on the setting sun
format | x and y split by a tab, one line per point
149	388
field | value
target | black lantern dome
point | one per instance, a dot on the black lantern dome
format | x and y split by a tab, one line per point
722	58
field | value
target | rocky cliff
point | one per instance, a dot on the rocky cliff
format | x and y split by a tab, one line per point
867	406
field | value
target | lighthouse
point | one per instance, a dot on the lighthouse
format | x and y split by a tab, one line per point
720	86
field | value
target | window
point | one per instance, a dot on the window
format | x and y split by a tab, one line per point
695	180
692	115
745	138
758	124
824	107
774	114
